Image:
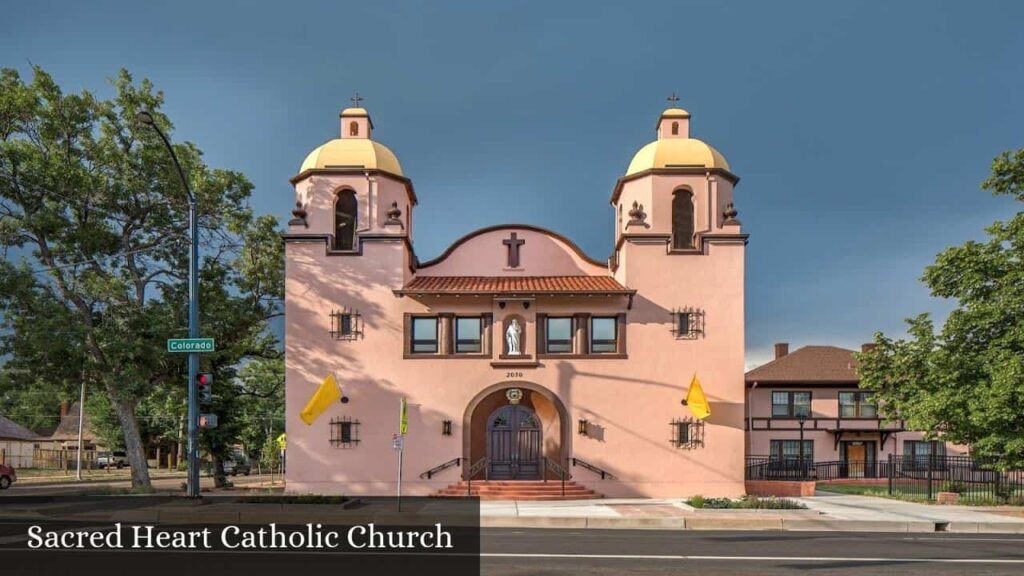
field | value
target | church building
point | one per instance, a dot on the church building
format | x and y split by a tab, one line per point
520	357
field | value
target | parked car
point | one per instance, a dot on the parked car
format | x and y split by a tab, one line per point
237	465
114	459
7	477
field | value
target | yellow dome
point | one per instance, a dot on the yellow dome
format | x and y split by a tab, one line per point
353	153
675	113
676	153
355	112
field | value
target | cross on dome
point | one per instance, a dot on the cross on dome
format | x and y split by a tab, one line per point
356	99
673	99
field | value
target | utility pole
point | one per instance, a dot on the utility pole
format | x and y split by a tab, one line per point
193	312
81	425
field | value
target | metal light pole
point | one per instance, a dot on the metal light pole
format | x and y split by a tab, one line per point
193	312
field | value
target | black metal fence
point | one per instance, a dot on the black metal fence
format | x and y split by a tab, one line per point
768	468
923	477
912	477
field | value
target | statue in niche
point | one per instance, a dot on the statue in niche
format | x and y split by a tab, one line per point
512	338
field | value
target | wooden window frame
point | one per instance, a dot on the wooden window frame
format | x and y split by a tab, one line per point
568	342
437	336
447	323
791	405
580	337
781	443
594	342
479	341
861	399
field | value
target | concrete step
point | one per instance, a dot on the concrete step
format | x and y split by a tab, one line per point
518	490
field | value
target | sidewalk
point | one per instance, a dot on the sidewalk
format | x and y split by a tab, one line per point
827	512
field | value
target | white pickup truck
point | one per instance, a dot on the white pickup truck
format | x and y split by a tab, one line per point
112	459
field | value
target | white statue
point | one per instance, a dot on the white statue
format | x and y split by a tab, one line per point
512	338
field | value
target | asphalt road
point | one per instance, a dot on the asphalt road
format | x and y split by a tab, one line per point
641	552
535	552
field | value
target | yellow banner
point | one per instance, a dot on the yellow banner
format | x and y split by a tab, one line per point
697	401
403	418
328	393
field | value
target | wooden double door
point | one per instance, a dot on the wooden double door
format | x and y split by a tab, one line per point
514	445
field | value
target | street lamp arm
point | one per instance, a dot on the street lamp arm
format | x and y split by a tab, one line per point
147	118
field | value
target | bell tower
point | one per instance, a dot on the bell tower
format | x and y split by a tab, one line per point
677	193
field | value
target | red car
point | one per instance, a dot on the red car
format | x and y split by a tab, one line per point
7	476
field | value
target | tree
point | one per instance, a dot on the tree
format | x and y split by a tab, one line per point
965	384
92	203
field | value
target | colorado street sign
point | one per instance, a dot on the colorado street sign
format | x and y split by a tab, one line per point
190	345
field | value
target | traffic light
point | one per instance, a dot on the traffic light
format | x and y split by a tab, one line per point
204	381
207	421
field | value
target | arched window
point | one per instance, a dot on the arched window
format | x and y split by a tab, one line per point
353	128
675	128
345	218
682	219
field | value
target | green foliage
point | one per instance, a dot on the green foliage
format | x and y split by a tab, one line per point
92	205
965	383
953	486
745	503
270	455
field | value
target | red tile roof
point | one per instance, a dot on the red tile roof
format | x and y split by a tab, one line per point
514	285
809	365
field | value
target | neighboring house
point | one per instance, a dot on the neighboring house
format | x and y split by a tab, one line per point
519	354
17	444
842	423
66	435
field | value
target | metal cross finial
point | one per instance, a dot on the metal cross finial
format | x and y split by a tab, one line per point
673	98
356	99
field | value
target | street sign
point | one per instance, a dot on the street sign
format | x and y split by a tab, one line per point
397	442
190	345
207	420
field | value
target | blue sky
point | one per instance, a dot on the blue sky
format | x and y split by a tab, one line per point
861	130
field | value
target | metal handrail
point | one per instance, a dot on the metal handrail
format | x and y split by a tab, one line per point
555	467
605	475
436	469
481	464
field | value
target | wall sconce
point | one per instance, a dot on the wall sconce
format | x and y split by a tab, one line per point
446	428
582	427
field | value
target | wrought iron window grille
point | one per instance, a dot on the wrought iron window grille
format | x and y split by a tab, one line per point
687	433
344	432
346	324
687	323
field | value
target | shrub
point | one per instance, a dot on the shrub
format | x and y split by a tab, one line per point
953	486
747	502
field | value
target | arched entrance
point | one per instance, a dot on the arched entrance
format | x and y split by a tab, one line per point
539	409
514	447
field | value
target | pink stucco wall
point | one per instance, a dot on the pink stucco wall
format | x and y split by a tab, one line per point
629	402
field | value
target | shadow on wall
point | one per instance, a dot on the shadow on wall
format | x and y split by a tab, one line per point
722	414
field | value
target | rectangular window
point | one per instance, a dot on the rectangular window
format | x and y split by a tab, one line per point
603	334
344	432
791	404
857	405
788	450
559	336
918	454
345	324
424	335
468	335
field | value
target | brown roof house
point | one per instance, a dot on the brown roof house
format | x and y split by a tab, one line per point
66	434
17	444
820	386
